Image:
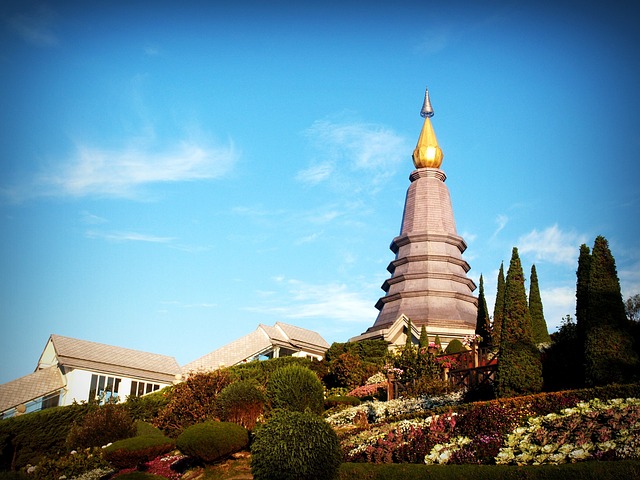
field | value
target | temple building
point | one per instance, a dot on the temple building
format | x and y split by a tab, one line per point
428	284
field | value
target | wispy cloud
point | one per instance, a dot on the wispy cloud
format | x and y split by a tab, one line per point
36	28
501	222
342	148
552	245
122	173
333	301
89	218
128	237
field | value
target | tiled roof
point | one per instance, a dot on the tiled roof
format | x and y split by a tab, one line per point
99	357
257	342
30	387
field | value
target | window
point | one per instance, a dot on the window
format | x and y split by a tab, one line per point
103	388
51	400
139	389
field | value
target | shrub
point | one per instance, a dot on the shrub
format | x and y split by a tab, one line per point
28	438
100	426
71	465
295	446
295	388
148	407
144	428
341	401
134	451
211	441
260	371
455	346
192	401
242	403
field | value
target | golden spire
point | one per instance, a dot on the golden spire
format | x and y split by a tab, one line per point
427	152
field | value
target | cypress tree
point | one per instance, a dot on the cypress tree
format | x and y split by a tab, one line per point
608	348
582	298
409	342
519	366
424	338
483	327
540	331
498	309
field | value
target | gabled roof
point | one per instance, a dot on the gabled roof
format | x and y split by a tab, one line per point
98	357
30	387
262	340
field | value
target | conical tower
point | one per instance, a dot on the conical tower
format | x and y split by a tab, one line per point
429	283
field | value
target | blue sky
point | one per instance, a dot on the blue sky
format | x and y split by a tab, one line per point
175	173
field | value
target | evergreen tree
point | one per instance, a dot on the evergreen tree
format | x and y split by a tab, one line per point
519	366
438	343
608	348
582	297
498	309
540	331
409	342
424	338
483	327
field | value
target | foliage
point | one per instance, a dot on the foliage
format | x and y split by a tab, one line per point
455	346
260	371
101	425
71	465
538	323
561	361
483	326
241	402
498	309
590	430
29	438
377	390
420	372
632	308
376	411
144	428
147	407
295	388
341	401
192	401
424	338
295	446
135	451
349	364
582	301
211	441
584	471
519	366
609	352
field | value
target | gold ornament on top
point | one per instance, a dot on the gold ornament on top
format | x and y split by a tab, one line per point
427	153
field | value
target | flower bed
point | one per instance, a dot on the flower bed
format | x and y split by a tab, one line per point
377	412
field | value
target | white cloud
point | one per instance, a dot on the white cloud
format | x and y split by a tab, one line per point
89	218
315	173
357	146
331	301
120	173
552	245
128	237
501	221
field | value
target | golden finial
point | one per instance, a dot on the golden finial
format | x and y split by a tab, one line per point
427	152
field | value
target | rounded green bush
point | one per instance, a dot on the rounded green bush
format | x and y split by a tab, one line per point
295	446
242	403
100	426
210	441
455	346
131	452
297	389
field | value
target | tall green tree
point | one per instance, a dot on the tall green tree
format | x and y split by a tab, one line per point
519	366
609	351
498	309
540	331
483	327
582	300
424	338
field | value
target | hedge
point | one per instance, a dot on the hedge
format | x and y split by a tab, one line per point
131	452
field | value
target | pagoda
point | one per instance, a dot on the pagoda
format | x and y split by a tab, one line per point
428	284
